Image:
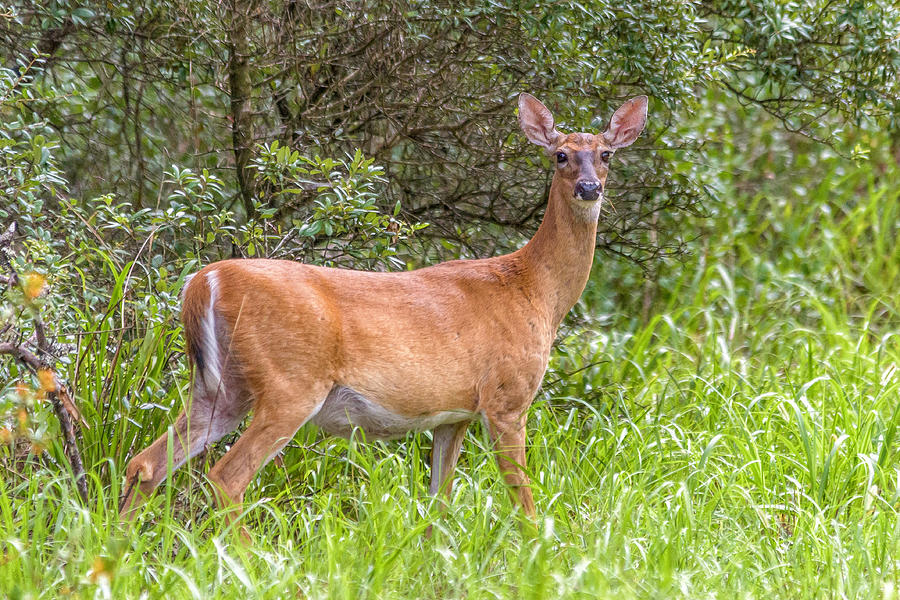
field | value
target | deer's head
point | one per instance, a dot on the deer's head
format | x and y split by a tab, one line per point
582	159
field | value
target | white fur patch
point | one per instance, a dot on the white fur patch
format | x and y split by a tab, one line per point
345	409
187	282
589	211
212	368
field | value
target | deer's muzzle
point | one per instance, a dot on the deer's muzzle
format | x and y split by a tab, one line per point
588	190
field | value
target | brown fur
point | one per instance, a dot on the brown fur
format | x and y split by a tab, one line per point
471	336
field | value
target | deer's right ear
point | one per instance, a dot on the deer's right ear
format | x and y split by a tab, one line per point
537	122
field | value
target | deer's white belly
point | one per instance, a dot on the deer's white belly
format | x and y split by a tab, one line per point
346	409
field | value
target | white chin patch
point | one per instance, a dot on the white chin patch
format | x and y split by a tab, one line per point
587	209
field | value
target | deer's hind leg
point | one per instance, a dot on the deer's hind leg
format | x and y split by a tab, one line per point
278	413
211	415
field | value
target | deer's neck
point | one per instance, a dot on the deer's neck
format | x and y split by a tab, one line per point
560	254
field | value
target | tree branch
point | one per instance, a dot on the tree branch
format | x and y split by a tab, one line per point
57	392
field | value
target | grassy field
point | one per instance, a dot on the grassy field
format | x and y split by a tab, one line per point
739	443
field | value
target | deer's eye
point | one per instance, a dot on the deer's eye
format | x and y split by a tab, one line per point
605	155
561	157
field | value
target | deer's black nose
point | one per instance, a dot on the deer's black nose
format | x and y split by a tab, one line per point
588	190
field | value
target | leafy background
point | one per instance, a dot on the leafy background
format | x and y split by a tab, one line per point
719	418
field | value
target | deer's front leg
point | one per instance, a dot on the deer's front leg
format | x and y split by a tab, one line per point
508	435
448	441
445	450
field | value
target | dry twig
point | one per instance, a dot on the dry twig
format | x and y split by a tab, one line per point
57	392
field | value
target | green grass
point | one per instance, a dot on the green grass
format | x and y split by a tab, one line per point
742	443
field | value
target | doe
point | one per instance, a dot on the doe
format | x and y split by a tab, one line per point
389	353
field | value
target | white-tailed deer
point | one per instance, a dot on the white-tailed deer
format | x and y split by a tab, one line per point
389	353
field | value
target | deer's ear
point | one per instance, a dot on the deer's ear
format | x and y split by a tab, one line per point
627	123
537	122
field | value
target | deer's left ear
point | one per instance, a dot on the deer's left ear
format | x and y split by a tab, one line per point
627	123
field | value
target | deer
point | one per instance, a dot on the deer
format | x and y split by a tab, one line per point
388	353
